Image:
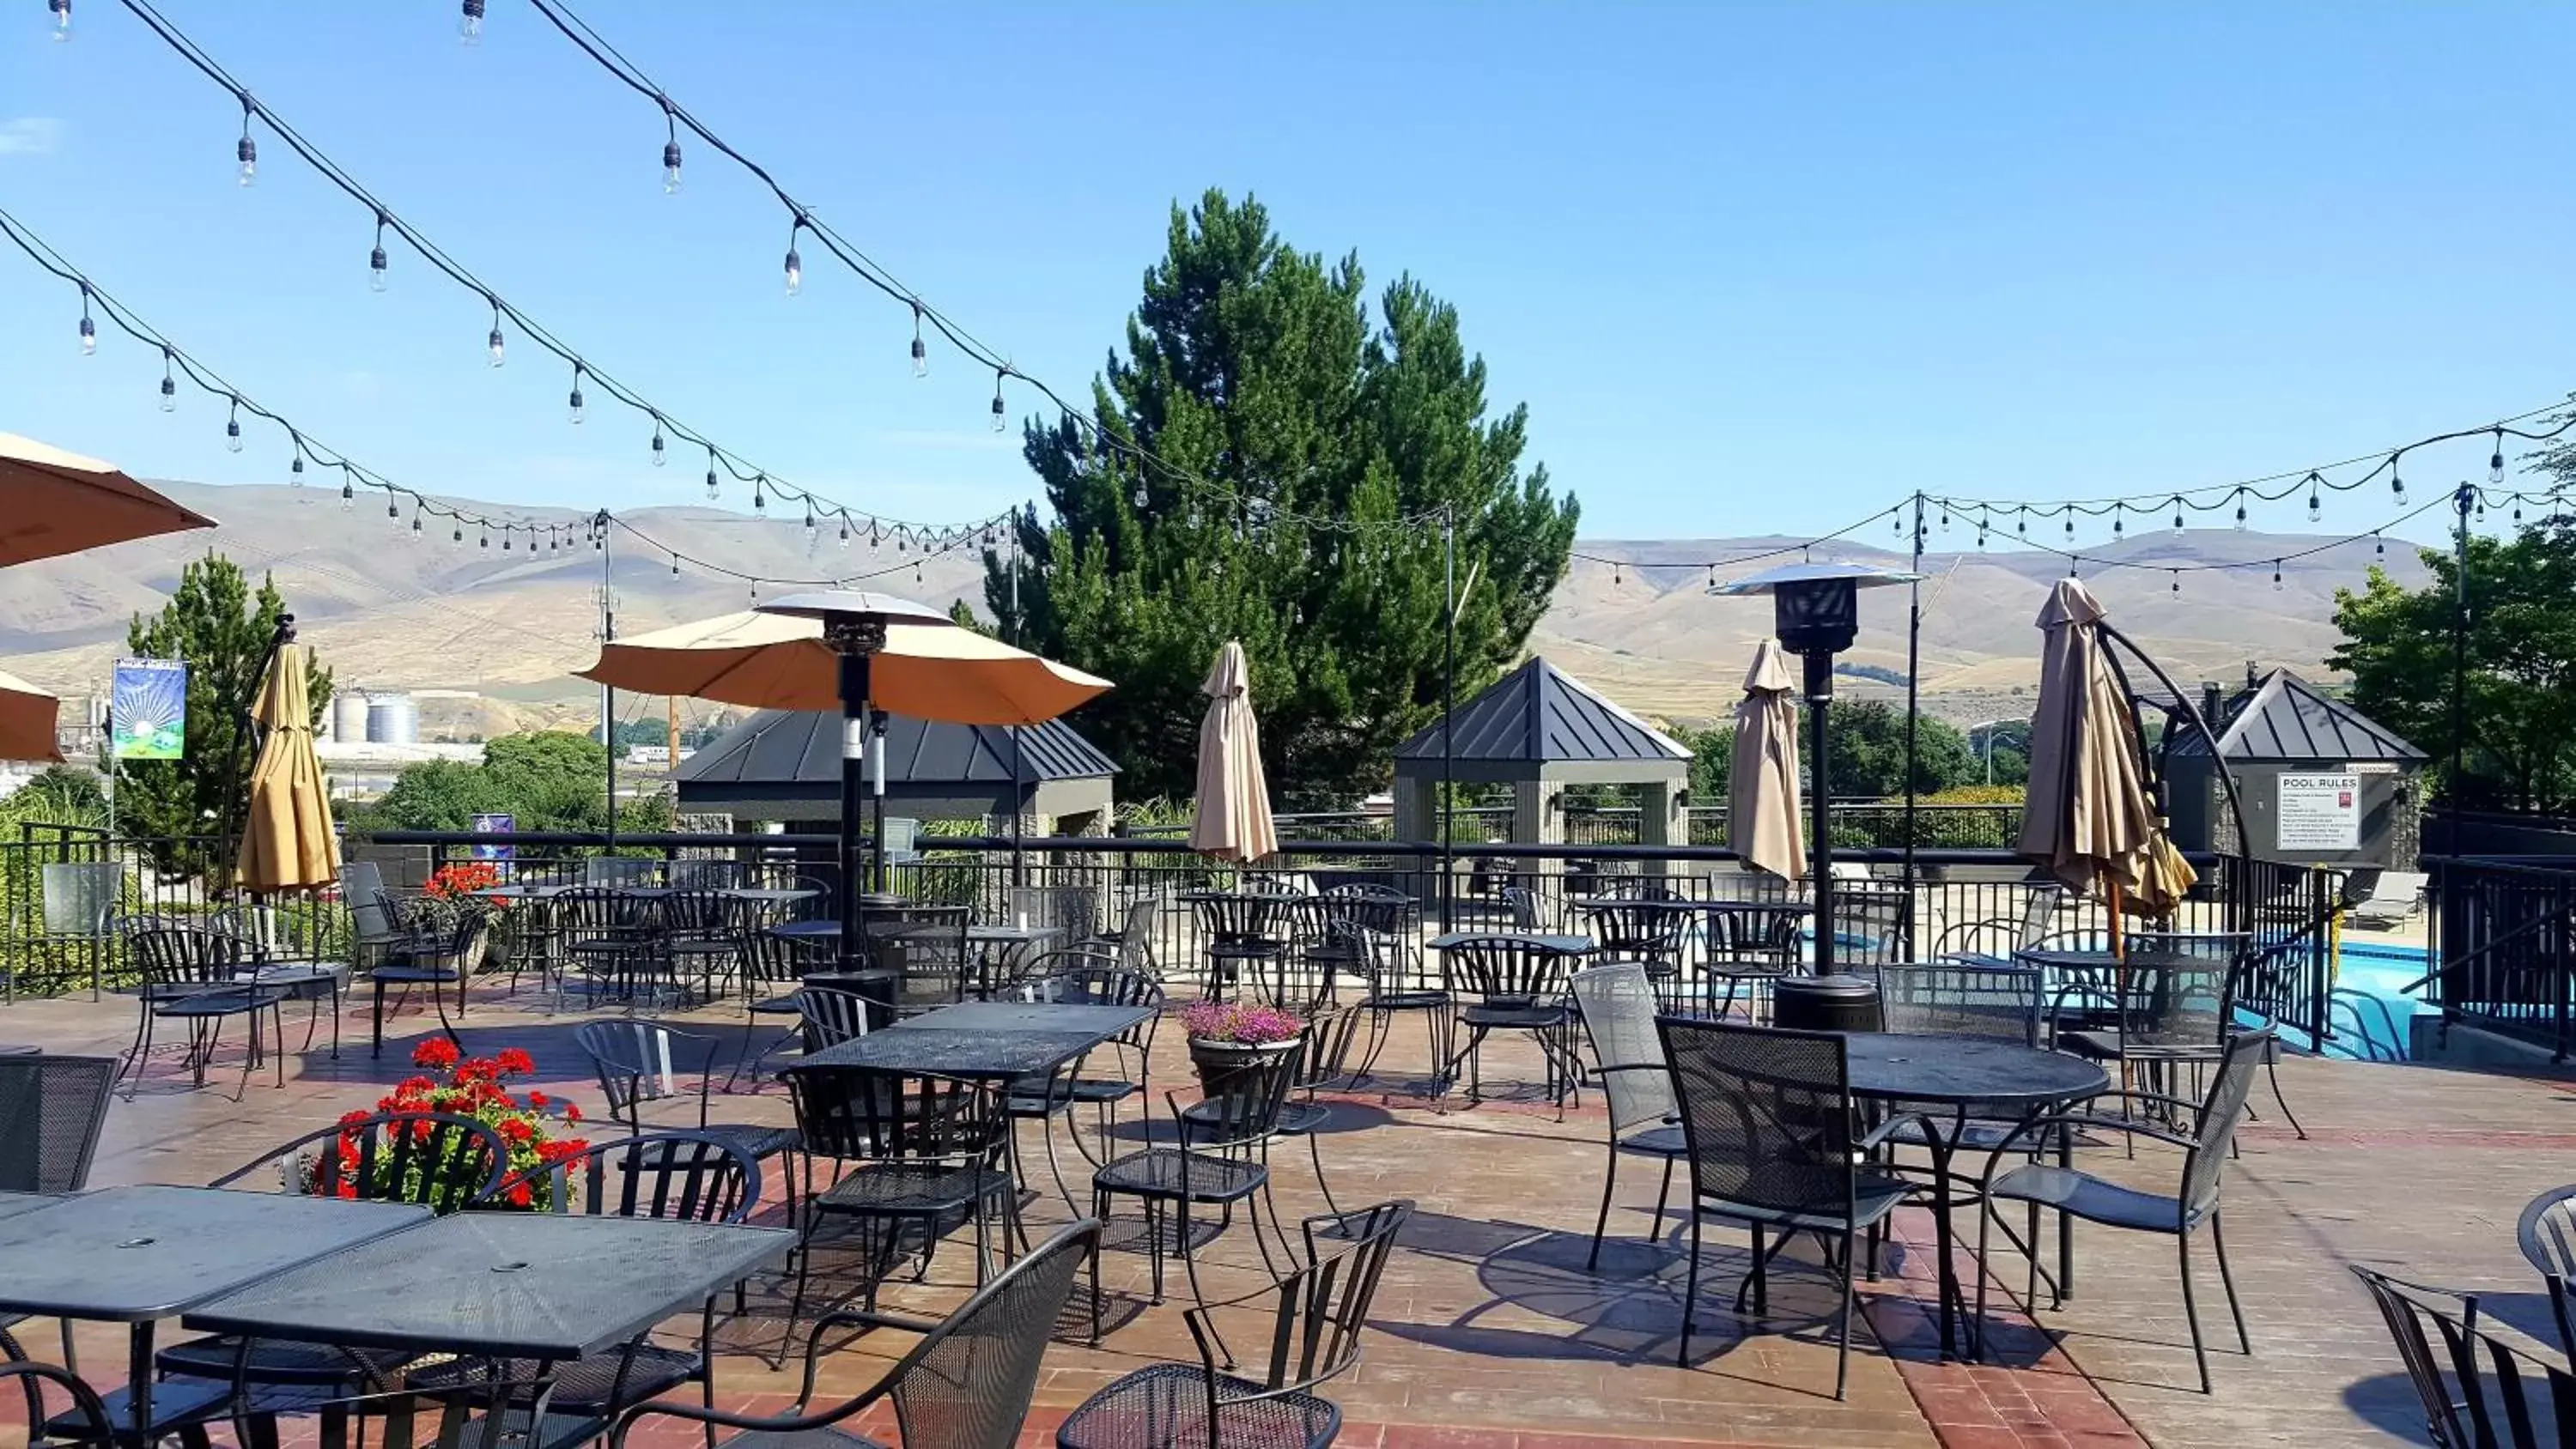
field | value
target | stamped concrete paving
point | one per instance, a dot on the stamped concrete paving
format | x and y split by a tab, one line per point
1490	1330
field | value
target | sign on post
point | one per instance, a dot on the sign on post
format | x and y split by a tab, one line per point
2319	812
498	851
148	709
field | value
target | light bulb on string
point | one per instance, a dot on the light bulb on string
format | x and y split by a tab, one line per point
920	352
2021	523
169	384
247	152
2482	506
755	592
456	536
469	31
483	535
295	466
809	519
2070	524
2276	576
88	329
572	404
2240	510
2316	503
998	375
2177	583
62	18
1896	524
711	474
415	522
1945	518
660	453
393	512
675	565
2177	513
902	540
2378	545
554	540
671	153
348	490
2119	529
498	344
2495	461
795	263
916	571
232	429
845	529
759	498
376	259
2396	485
505	538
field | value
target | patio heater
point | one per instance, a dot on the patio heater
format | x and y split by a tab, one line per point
854	629
1816	615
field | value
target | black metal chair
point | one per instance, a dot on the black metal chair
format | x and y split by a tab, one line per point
51	1111
434	959
2479	1391
643	1062
199	978
1246	931
926	947
1747	952
1775	1142
1219	1162
1636	929
1076	977
1401	980
1317	1316
87	1422
672	1176
605	936
830	1015
2547	1236
1513	983
1993	940
1617	1005
2194	1204
916	1151
1962	998
2170	1012
698	935
965	1385
773	967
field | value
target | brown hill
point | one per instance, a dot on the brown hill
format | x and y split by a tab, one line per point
392	609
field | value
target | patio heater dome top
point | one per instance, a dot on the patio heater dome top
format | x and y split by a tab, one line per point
1816	606
830	604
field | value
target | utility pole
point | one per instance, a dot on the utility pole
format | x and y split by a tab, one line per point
607	634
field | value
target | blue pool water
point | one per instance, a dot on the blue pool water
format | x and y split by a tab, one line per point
2371	1011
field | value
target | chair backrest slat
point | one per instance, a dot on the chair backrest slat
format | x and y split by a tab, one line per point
2474	1387
441	1161
674	1176
863	1114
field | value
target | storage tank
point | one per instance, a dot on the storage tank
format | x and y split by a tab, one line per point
392	719
349	716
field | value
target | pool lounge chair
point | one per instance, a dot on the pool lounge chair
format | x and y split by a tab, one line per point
2388	900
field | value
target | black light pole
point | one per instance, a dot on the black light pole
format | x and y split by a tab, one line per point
2462	501
1913	714
1448	720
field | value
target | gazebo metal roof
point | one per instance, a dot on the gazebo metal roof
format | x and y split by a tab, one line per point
1539	722
2283	718
791	760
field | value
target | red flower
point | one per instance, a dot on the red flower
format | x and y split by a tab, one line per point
538	1100
514	1061
435	1052
572	1112
520	1196
352	1119
516	1130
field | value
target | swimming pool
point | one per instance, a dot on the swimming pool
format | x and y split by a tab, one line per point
2372	1012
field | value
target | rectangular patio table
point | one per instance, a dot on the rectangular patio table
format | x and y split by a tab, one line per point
983	1040
136	1255
546	1287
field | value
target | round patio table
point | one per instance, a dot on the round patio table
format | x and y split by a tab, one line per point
1960	1075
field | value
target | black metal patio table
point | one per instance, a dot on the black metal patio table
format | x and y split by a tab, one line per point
544	1287
1962	1075
136	1255
983	1040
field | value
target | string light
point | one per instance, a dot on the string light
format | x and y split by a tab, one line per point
711	475
498	344
2276	576
2177	583
505	538
2118	527
1142	500
809	520
457	537
2177	507
671	155
675	565
169	385
393	510
348	490
795	263
470	29
62	18
659	455
232	429
2495	461
2021	524
845	530
2316	506
2378	545
415	521
248	151
2240	510
920	353
2396	485
572	405
483	536
88	329
759	499
998	375
295	465
376	258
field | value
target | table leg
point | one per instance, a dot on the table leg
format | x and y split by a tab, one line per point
2065	1223
138	1379
1945	1275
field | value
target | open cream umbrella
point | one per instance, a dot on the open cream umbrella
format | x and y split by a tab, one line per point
1762	808
287	841
1232	821
54	503
27	720
2090	820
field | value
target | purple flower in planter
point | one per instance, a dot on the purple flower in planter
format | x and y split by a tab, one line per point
1243	1025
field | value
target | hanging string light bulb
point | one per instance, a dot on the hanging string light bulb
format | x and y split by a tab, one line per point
711	473
920	352
248	151
2177	583
845	528
1945	518
671	153
554	539
2495	461
916	571
675	565
2021	523
572	404
2378	545
393	512
2276	576
483	533
62	18
759	497
348	490
169	384
88	329
2118	529
795	263
295	465
232	429
998	374
505	538
1896	524
415	522
2177	513
498	344
2070	525
659	454
457	536
2240	510
1614	575
2396	485
2316	503
809	519
470	30
376	259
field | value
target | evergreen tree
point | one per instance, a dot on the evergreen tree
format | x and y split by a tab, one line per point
1326	440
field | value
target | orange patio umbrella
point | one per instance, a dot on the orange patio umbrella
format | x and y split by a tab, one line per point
53	503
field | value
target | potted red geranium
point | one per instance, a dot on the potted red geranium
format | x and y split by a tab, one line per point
473	1087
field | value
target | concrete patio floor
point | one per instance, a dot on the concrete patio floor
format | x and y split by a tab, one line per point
1489	1330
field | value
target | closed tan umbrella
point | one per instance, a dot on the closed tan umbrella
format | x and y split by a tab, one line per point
928	670
1233	817
27	721
1762	808
287	843
2089	819
54	503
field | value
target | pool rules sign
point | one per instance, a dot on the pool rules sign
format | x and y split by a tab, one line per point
2319	812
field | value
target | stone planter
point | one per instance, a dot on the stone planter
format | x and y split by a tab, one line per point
1228	1068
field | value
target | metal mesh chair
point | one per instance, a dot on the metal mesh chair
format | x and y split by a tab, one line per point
1959	998
199	978
2478	1391
2099	1200
698	934
1617	1004
601	933
1992	940
1247	930
1513	983
965	1385
831	1015
643	1062
1317	1315
2547	1236
773	967
51	1110
1747	952
1774	1143
618	870
1079	978
1071	909
426	958
926	946
1635	928
1220	1161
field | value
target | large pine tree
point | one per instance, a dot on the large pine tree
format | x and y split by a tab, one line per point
1300	434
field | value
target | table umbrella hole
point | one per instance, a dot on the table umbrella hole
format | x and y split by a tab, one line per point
138	1242
508	1267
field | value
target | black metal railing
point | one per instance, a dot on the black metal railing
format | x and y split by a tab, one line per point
64	890
2503	947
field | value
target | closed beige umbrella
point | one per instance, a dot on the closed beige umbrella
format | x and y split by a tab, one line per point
933	671
27	721
1762	809
2089	819
1233	817
54	503
287	842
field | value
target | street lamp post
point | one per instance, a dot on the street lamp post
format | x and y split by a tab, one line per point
1816	614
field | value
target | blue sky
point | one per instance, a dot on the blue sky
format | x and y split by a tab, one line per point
1753	268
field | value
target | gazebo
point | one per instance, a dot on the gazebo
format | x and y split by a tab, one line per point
2321	783
1540	729
782	765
